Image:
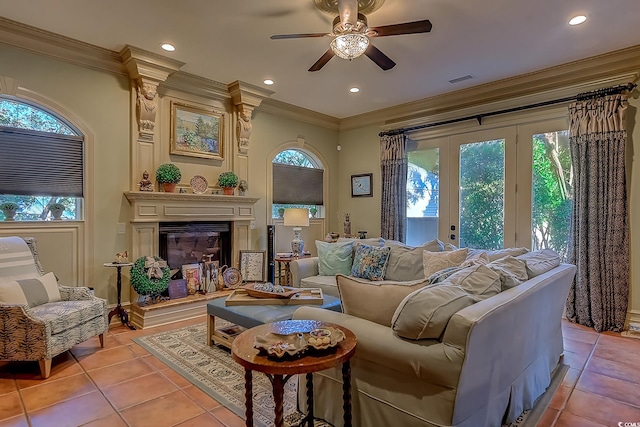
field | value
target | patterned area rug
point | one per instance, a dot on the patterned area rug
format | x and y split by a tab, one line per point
213	370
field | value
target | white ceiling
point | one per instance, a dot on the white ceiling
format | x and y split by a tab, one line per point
229	40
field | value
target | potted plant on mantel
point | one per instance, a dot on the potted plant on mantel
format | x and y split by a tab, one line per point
228	181
168	175
9	209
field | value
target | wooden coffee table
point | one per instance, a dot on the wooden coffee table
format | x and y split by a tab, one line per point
280	371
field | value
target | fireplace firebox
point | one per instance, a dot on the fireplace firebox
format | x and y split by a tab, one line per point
192	242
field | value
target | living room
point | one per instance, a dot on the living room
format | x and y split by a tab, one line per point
96	89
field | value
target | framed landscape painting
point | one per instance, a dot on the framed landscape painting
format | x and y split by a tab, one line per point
252	265
196	132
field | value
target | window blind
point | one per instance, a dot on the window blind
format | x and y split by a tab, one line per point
297	185
36	163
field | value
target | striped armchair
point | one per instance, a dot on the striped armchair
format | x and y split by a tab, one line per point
31	330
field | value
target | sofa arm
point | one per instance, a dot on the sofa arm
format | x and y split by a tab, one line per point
301	268
428	360
70	293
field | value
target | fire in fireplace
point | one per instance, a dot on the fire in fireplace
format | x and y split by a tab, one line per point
192	242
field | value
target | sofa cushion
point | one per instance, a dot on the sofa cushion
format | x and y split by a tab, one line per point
326	283
436	261
539	262
373	301
424	313
334	258
499	253
66	315
31	292
370	262
405	262
512	271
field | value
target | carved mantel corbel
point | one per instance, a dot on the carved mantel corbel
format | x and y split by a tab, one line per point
245	97
148	70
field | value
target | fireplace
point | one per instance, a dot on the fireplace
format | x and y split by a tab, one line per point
192	242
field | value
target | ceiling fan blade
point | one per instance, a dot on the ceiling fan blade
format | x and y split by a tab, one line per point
297	36
406	28
348	11
322	61
382	60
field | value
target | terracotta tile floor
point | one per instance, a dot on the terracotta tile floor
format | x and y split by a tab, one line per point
123	385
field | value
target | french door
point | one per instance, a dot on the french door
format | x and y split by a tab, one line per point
493	188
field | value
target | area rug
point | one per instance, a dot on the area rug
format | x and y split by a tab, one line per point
213	370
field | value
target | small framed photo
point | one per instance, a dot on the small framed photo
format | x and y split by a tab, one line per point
361	185
252	266
193	275
196	132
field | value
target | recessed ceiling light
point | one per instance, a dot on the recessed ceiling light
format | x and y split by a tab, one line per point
576	20
268	82
168	47
354	90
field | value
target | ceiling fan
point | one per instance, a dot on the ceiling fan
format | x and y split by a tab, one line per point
351	36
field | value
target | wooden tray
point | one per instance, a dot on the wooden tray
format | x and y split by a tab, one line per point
305	296
288	293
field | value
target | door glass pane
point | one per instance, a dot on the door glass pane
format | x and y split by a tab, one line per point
423	196
552	192
482	194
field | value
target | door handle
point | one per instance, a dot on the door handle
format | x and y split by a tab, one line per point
452	237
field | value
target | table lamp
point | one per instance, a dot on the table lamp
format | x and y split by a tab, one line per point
296	218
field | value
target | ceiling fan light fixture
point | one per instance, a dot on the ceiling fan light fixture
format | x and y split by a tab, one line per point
350	46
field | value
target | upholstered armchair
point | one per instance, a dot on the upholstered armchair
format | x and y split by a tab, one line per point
39	318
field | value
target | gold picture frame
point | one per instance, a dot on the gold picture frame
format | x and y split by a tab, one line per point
196	132
252	266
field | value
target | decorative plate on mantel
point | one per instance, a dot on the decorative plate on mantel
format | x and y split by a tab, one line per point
199	184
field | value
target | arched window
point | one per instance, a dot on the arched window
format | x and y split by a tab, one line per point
297	182
42	162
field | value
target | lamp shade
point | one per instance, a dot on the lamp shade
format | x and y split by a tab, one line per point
296	217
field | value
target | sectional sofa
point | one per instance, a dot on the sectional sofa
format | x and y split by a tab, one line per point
475	349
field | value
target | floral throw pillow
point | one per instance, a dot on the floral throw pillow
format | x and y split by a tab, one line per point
370	262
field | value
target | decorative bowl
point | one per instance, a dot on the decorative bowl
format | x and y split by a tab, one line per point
288	292
279	345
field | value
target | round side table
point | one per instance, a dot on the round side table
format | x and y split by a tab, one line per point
118	310
280	371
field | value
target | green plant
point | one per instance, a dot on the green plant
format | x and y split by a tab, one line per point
227	179
313	211
57	206
9	206
168	173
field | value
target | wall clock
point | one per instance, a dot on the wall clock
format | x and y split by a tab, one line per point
361	185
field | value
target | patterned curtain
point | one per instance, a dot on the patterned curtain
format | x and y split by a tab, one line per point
393	165
599	243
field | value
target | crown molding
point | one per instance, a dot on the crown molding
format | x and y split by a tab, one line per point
60	47
546	84
143	64
196	85
300	114
246	93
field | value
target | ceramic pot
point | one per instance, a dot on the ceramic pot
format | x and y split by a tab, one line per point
57	213
9	214
169	187
227	191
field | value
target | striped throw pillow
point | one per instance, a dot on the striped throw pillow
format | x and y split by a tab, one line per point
31	292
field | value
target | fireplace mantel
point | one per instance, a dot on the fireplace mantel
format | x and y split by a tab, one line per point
151	206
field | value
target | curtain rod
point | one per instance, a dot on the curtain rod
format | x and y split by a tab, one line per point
579	97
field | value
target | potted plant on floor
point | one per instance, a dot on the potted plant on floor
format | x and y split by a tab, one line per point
168	175
57	210
228	181
9	209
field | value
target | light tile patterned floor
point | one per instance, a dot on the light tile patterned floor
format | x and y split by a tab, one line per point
123	385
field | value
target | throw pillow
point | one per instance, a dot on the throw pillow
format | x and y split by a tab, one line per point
405	262
501	253
539	262
370	262
436	261
373	301
512	271
334	258
31	292
425	313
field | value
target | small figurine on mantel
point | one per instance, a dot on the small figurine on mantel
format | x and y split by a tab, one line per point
347	225
145	184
